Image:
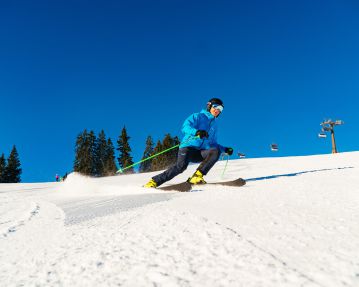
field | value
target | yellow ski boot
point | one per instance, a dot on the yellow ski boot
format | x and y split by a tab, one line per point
197	178
151	184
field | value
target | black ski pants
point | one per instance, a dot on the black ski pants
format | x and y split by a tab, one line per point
207	158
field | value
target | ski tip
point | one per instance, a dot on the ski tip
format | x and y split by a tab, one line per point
180	187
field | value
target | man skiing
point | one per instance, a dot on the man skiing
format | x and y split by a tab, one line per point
199	144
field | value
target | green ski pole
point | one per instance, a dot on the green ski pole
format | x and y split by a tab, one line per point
225	166
121	170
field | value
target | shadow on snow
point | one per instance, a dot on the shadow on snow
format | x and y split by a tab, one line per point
294	174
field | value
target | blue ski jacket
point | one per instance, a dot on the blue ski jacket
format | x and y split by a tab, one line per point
203	120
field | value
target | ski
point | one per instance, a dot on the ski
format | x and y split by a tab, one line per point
186	186
181	187
237	182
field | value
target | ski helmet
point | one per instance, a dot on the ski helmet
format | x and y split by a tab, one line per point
214	101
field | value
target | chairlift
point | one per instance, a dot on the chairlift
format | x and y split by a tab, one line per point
339	122
322	135
241	155
274	147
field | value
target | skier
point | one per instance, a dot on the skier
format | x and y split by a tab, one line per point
57	177
199	144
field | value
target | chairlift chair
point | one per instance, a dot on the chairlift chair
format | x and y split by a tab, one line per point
241	155
322	135
274	147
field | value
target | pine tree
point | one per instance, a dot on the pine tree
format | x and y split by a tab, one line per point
146	165
158	161
174	152
2	168
124	149
13	169
92	146
100	154
170	157
109	160
85	153
79	150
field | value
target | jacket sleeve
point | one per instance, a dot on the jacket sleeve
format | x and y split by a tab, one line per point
190	124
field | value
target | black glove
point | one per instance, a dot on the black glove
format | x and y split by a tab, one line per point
228	150
202	134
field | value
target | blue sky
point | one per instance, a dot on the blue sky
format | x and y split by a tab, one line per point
281	67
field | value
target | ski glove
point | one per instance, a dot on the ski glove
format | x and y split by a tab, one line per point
228	150
202	134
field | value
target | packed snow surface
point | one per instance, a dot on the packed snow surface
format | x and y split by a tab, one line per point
295	223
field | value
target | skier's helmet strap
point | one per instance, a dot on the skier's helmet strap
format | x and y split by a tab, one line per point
214	101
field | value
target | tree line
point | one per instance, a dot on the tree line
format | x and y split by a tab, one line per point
10	168
95	155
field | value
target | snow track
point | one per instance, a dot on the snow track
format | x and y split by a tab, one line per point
294	224
155	246
30	243
15	213
83	210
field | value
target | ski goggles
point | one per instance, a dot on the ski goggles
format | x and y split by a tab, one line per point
218	107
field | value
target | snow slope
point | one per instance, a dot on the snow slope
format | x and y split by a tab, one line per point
295	223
